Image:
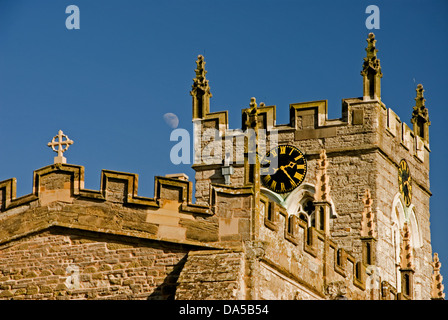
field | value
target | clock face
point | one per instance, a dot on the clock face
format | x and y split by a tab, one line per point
404	182
288	174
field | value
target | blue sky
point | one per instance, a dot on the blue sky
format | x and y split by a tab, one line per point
108	84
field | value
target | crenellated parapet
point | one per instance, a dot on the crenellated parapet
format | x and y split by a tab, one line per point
367	116
307	255
60	199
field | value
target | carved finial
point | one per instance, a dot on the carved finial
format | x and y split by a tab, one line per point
371	61
407	258
200	81
436	285
420	117
59	142
252	114
322	179
253	103
420	100
367	221
371	49
200	90
200	72
371	71
419	108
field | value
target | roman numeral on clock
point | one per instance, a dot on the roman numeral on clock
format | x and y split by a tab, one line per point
298	176
282	187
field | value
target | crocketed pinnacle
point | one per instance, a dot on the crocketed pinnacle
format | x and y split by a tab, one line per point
252	114
200	82
407	258
323	180
367	221
420	111
371	62
436	284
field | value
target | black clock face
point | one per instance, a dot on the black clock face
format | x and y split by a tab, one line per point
288	174
404	182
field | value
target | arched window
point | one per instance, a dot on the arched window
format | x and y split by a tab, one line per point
300	203
399	215
306	212
397	222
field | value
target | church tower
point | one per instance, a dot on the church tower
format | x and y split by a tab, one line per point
317	208
363	185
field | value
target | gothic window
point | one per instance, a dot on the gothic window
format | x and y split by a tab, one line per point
307	211
309	208
401	214
397	223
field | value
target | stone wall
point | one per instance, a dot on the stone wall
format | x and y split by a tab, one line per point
212	275
124	246
65	264
300	262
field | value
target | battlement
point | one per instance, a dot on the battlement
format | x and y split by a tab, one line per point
305	253
336	235
59	199
309	120
366	126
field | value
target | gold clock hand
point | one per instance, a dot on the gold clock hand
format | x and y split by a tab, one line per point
291	164
283	169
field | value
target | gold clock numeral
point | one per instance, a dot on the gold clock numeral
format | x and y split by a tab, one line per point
282	187
273	184
298	175
300	166
282	149
298	157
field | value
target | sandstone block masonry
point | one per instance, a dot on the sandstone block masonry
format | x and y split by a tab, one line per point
54	264
339	235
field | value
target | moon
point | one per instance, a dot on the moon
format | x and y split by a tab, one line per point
171	120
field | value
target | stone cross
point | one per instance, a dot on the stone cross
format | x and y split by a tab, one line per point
59	142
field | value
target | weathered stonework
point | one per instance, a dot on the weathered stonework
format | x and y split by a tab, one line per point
327	239
109	267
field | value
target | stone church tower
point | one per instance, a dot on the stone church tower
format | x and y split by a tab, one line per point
316	208
352	178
